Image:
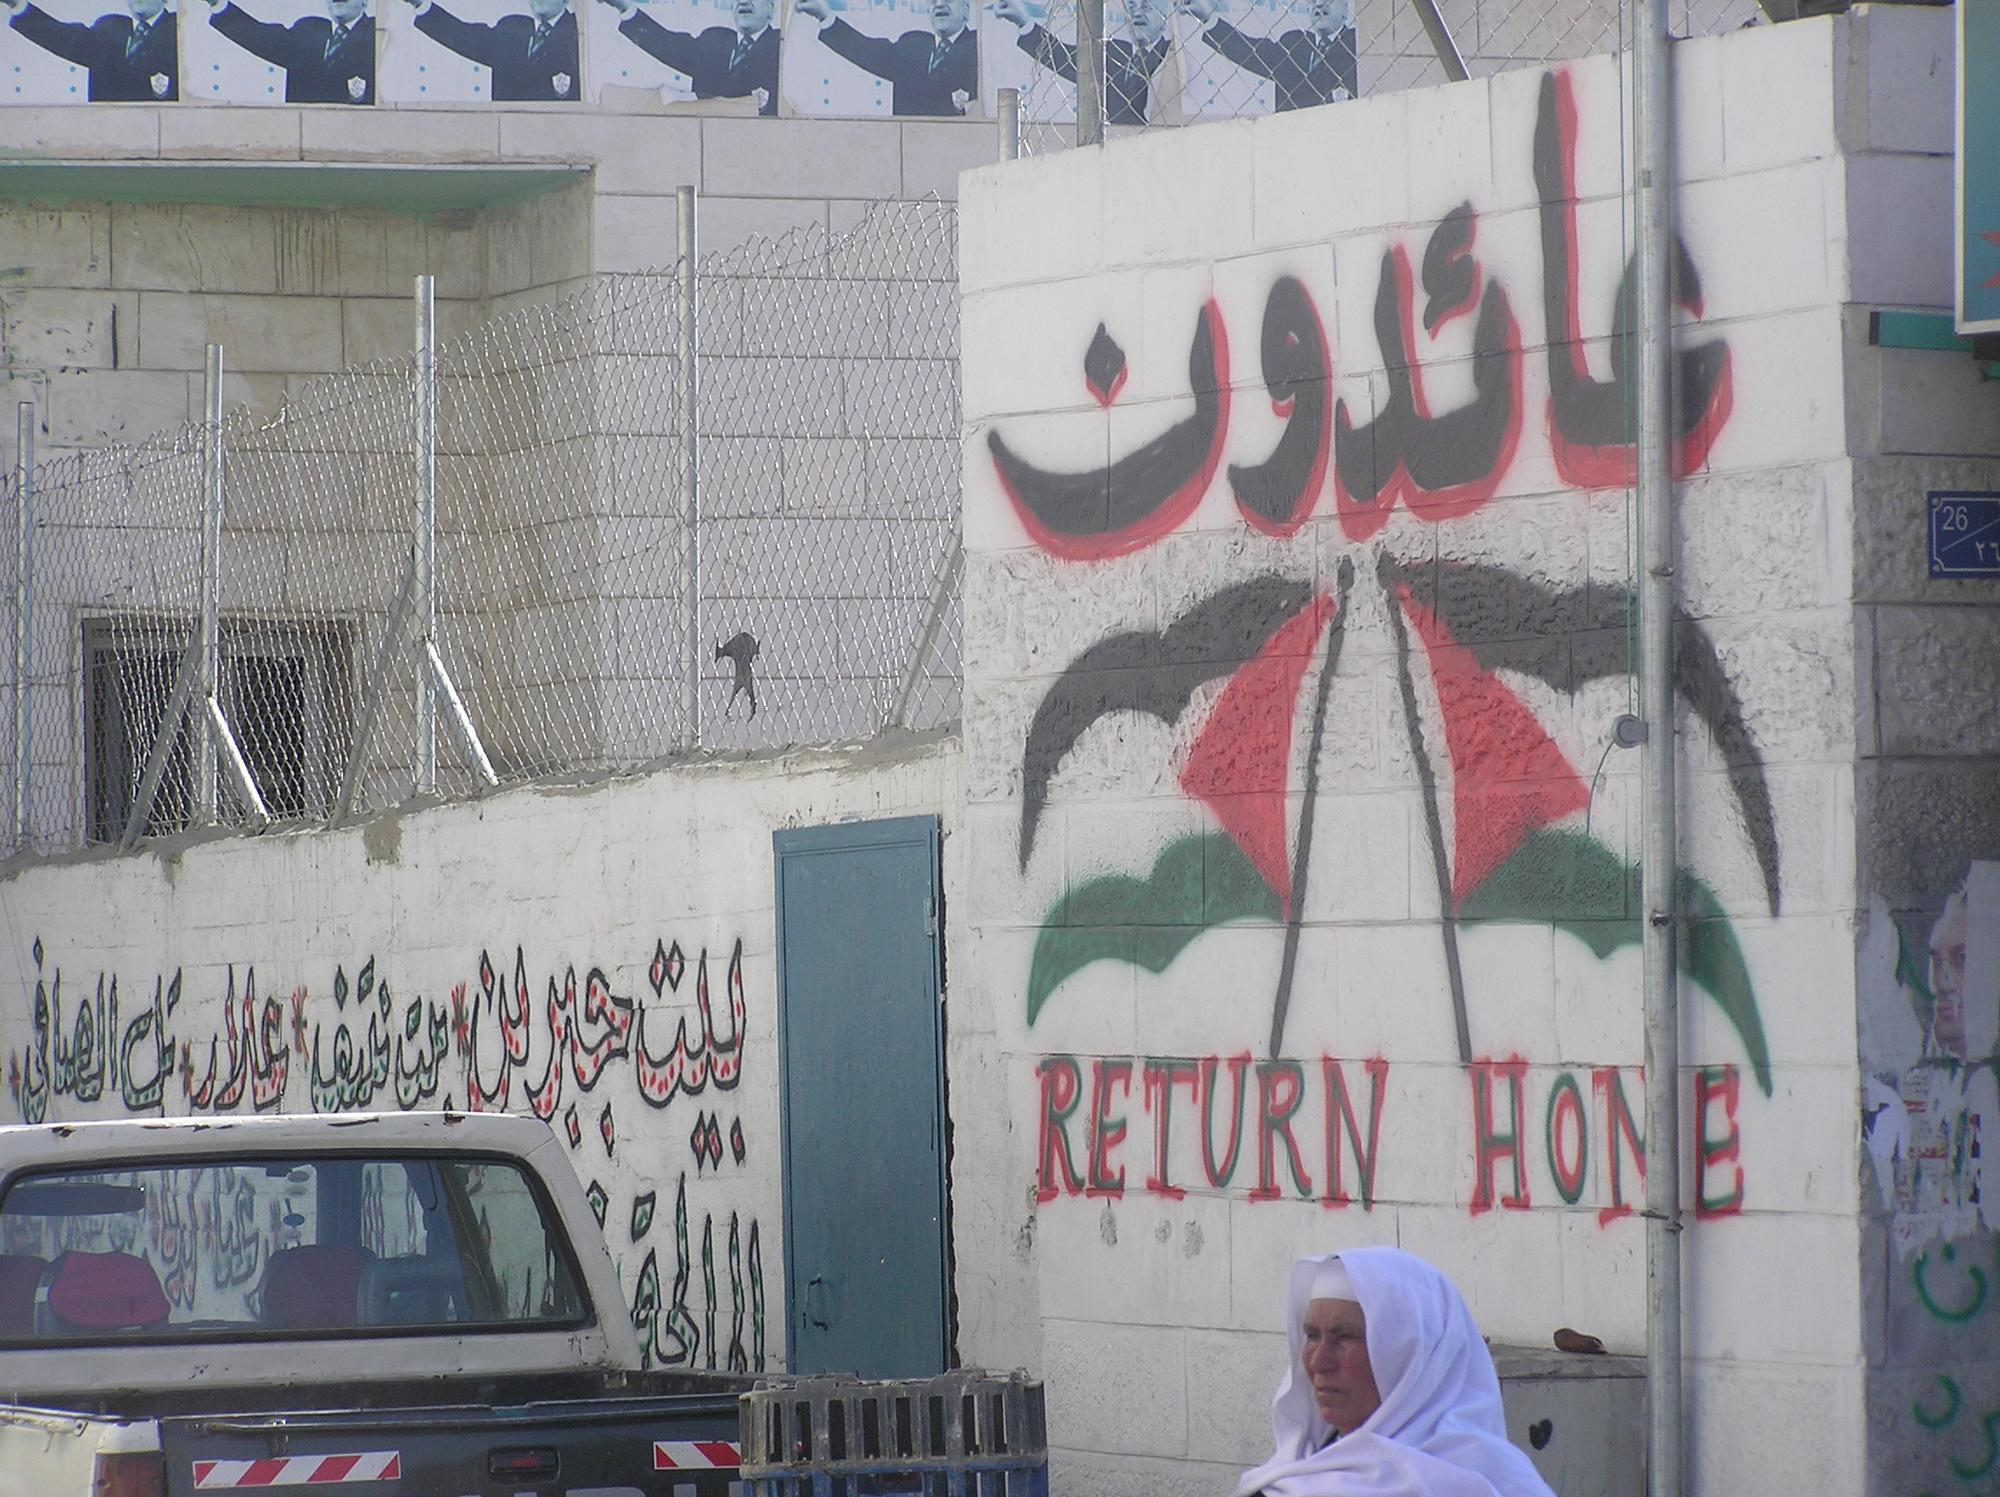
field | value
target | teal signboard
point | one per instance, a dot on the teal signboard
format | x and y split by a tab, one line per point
1978	238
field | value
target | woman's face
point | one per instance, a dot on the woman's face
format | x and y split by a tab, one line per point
1336	1363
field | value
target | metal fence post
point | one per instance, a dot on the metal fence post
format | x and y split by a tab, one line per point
371	701
686	393
1089	72
1448	55
24	481
210	622
1008	117
903	715
426	526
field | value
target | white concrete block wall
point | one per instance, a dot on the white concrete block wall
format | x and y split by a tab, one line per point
297	292
539	885
1093	722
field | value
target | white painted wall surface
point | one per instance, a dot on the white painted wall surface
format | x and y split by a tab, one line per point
241	971
1804	151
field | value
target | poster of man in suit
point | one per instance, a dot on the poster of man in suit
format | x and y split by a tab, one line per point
861	47
69	54
297	51
664	45
1138	43
483	49
1269	61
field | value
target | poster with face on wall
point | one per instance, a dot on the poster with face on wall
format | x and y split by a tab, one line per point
95	51
907	58
1930	1033
689	49
1141	61
1261	56
280	51
469	51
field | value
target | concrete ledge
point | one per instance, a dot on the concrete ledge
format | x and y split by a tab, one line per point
425	189
1526	1363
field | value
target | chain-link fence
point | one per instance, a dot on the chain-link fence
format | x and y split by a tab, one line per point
1176	62
336	641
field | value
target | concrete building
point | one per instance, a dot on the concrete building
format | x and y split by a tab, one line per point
1285	893
290	234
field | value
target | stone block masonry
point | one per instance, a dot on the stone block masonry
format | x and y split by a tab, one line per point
297	291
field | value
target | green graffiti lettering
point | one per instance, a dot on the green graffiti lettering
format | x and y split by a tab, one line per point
1938	1421
1566	1097
756	1299
739	1359
1987	1425
646	1307
1956	1314
708	1285
1220	1174
141	1085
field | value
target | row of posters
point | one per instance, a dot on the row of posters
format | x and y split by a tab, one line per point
844	58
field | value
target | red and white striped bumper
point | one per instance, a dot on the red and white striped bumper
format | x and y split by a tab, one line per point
297	1471
695	1455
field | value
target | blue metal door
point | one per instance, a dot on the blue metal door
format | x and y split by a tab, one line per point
860	1051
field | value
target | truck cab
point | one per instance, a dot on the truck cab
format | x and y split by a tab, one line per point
418	1300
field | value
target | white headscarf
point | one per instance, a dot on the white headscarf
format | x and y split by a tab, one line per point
1439	1431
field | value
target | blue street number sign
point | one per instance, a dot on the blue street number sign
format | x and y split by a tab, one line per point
1965	534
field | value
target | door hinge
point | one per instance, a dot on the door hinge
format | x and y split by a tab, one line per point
930	918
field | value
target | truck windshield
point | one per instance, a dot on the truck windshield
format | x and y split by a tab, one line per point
316	1246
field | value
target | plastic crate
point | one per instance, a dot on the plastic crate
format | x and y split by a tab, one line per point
961	1434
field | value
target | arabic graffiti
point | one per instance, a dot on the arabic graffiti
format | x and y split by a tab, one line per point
259	1060
1590	420
171	1225
372	1046
1439	464
1142	496
590	1029
83	1058
668	1336
1505	812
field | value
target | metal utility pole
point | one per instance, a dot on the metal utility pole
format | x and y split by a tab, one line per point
210	623
686	393
1089	72
425	538
24	484
1652	177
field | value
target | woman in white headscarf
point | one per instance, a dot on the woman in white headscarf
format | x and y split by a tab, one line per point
1390	1392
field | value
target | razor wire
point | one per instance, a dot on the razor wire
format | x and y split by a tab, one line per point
827	502
1180	62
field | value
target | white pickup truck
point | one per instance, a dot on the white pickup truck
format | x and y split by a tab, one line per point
404	1305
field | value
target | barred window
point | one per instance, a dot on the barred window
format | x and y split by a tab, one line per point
284	685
